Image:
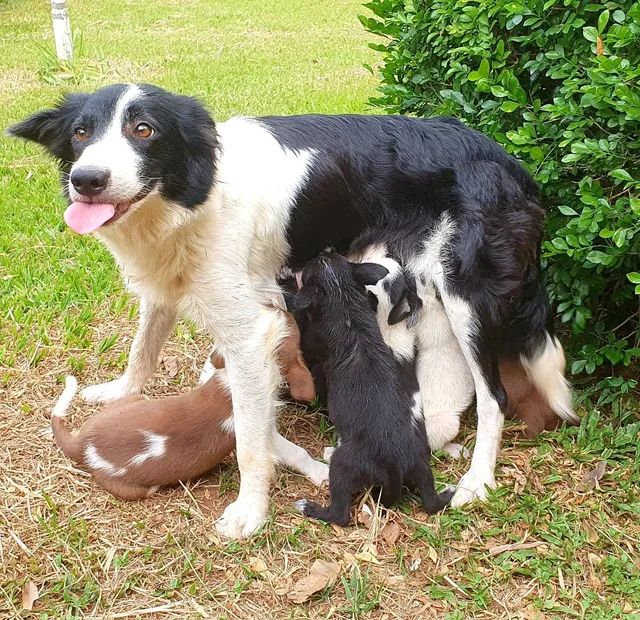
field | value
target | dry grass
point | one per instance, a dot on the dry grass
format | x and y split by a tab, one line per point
92	556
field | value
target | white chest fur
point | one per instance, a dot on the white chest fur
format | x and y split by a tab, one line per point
235	241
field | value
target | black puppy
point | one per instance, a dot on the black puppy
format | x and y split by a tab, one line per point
381	444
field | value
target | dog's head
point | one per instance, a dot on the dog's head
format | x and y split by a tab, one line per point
123	143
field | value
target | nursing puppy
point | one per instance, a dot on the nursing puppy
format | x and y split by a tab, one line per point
425	340
136	445
382	444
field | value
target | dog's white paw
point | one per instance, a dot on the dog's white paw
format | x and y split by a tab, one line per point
300	505
320	474
106	392
456	451
240	520
328	453
471	487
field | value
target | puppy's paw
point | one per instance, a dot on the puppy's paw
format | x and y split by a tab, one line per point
300	505
320	474
328	453
472	486
107	392
456	451
240	520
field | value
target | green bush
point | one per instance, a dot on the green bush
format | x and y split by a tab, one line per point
558	84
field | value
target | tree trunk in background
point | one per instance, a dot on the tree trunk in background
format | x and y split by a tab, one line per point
61	29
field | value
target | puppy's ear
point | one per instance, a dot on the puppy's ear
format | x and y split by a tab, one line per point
52	128
297	301
301	385
368	273
405	301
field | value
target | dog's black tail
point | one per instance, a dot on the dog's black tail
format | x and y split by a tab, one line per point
529	338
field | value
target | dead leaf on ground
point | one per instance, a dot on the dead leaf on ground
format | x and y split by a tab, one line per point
369	554
433	554
170	365
321	575
514	547
592	535
390	533
531	613
29	595
259	567
591	478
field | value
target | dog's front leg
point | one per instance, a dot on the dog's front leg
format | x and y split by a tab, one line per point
249	349
156	324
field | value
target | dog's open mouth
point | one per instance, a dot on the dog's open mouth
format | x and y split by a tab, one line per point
86	217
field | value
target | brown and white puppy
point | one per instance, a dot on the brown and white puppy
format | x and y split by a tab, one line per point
136	445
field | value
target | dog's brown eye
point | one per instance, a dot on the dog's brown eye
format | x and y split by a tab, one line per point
144	131
80	134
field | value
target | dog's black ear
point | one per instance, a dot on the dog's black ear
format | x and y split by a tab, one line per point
52	128
368	273
189	181
405	301
297	301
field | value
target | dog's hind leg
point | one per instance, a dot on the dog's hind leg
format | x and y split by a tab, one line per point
421	478
392	488
122	489
156	324
491	400
342	485
300	460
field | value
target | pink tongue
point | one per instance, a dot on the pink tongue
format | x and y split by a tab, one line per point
85	217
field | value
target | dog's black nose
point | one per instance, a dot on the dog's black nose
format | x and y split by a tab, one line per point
90	181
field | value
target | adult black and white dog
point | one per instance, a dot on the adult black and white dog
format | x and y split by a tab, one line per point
200	218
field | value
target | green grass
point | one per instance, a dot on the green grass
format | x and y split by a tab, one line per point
241	57
63	309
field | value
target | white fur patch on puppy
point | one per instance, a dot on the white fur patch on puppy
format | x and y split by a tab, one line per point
106	392
156	447
93	460
208	370
328	453
64	401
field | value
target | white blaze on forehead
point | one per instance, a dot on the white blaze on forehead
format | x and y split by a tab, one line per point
112	151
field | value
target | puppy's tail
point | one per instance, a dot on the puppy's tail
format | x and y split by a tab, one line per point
70	445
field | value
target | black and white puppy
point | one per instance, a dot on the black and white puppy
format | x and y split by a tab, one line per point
424	343
381	443
201	217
